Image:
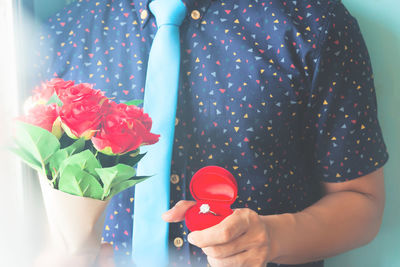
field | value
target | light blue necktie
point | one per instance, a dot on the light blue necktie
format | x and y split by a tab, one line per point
150	232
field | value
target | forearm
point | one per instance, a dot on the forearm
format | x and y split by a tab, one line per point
337	223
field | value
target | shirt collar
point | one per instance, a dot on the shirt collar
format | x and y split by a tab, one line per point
196	10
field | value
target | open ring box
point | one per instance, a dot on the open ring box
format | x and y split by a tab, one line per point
213	186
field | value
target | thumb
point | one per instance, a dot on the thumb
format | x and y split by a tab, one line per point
177	213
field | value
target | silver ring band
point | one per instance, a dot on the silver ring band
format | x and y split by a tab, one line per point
205	208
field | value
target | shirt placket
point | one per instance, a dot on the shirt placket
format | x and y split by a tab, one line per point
180	178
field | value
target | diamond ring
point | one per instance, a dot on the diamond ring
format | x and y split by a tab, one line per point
205	208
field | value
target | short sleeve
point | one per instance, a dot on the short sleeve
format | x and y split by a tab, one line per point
342	125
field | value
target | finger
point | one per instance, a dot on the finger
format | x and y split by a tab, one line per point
236	260
106	256
237	246
177	213
226	231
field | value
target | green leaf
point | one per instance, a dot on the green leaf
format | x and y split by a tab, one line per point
85	160
57	159
140	177
106	160
76	147
55	162
40	143
113	175
54	99
134	102
125	185
129	160
77	182
27	158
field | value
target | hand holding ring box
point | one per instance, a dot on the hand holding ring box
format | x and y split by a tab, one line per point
215	189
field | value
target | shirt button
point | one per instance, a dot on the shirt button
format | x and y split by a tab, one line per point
195	14
176	121
174	178
144	14
178	242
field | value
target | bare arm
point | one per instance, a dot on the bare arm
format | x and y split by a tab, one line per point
347	217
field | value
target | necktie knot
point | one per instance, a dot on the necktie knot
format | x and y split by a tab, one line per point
168	12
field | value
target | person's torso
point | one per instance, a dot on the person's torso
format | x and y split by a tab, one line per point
246	75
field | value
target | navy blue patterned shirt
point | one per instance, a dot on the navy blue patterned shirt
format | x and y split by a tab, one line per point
280	93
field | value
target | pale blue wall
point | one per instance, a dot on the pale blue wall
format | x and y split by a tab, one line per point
380	24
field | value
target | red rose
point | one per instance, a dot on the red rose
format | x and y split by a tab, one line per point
44	92
135	112
136	115
59	84
44	116
41	95
124	129
82	118
78	92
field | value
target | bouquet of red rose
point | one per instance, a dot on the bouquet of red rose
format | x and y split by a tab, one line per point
84	147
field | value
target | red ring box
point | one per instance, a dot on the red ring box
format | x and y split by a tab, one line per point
216	187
